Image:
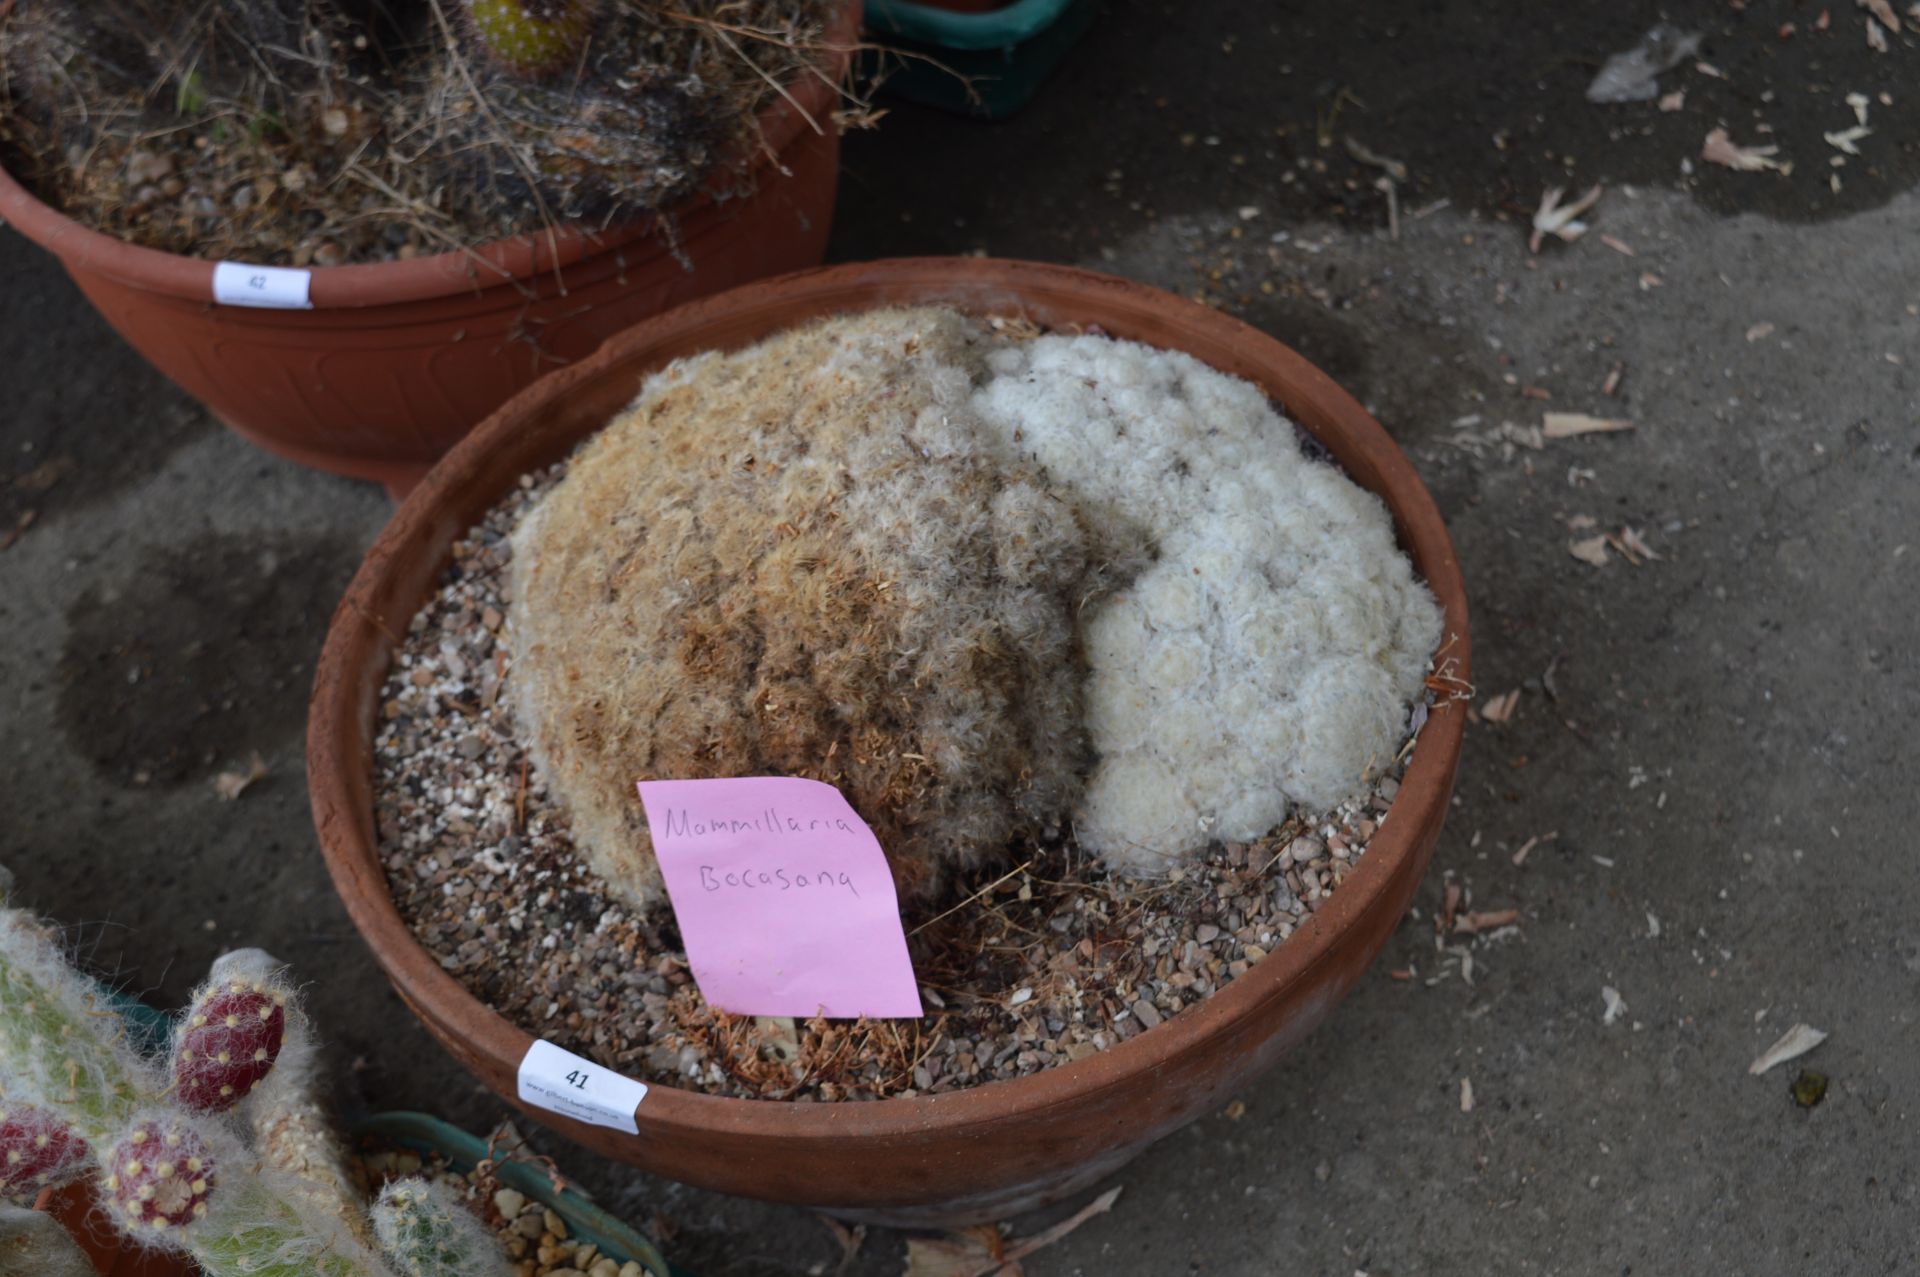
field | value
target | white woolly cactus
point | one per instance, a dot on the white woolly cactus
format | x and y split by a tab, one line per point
165	1139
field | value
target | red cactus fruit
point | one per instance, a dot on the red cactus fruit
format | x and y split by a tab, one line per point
159	1177
37	1151
232	1036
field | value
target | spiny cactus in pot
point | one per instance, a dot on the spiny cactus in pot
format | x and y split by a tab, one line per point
317	131
205	1150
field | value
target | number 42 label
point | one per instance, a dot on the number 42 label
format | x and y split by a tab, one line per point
561	1082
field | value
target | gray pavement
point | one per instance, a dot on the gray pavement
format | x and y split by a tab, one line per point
1709	762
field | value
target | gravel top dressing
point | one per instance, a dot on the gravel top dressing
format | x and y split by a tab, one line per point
1040	958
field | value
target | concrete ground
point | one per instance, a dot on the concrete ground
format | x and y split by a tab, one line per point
1708	768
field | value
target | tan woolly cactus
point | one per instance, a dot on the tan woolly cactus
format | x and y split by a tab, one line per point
796	560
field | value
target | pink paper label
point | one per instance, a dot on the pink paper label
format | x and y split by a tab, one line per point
783	896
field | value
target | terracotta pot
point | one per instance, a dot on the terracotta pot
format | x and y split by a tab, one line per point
398	360
973	1155
77	1208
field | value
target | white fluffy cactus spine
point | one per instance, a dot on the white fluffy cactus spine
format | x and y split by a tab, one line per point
292	1130
61	1046
427	1231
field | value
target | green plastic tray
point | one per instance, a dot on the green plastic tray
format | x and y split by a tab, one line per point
1004	55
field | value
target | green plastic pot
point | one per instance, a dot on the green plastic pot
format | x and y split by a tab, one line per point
463	1151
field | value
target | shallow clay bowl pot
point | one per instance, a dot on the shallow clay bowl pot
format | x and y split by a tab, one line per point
995	1149
398	360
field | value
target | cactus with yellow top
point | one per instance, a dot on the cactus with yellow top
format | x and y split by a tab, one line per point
216	1149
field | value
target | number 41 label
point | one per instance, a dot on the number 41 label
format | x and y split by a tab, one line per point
561	1082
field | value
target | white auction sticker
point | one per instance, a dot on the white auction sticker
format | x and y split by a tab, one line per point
273	287
561	1082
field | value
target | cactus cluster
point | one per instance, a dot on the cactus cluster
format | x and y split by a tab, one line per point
424	1230
531	37
219	1149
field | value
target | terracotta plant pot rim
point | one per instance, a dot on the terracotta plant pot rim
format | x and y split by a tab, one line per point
337	716
438	275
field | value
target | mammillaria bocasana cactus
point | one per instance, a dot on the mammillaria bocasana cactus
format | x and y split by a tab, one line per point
206	1151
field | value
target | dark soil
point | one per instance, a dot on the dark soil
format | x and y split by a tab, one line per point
201	659
1484	103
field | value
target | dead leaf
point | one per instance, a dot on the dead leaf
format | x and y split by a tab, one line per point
1552	218
1366	155
1565	425
1098	1206
1876	37
1618	245
1631	543
1520	856
1474	923
18	530
1673	101
1615	1004
1845	139
1500	708
1234	1111
974	1252
850	1239
1611	386
1759	331
1859	102
1466	1096
1592	550
1449	902
1723	150
1649	280
230	785
982	1252
1881	10
44	475
1824	21
1793	1044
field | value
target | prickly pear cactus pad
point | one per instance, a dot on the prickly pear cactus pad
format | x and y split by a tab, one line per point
229	1041
159	1177
38	1150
